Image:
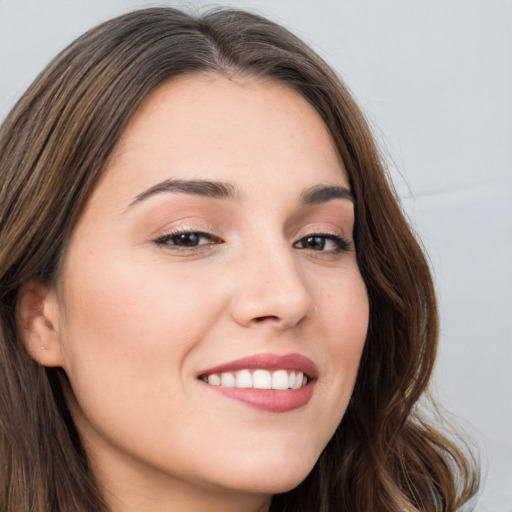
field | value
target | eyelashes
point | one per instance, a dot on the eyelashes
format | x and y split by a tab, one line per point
193	241
322	242
187	239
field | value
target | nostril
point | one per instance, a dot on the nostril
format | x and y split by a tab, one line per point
267	317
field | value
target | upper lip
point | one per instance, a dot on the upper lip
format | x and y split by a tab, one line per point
267	361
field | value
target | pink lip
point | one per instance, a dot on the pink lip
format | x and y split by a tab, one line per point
269	400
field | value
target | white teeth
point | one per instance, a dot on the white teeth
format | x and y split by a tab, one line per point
243	379
227	380
214	380
258	379
298	380
261	379
280	380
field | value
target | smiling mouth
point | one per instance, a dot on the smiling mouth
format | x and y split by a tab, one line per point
258	379
274	383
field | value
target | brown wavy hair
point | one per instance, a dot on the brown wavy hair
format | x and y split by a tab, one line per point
54	146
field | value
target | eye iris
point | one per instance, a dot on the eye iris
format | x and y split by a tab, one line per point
316	243
187	239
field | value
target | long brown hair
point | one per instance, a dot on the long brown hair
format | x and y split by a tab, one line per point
53	147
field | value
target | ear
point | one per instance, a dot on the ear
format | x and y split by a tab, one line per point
37	316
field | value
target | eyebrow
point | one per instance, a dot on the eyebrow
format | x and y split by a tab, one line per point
325	193
211	189
221	190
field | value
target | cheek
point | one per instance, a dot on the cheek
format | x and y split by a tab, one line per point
347	318
343	307
128	321
128	332
344	316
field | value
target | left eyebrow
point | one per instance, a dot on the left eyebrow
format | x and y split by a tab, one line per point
211	189
325	193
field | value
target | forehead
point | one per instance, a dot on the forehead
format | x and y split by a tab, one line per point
238	130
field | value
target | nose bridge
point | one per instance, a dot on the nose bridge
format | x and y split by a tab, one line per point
270	286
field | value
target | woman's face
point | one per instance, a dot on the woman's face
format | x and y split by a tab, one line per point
216	248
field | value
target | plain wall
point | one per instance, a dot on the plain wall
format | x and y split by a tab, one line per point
435	79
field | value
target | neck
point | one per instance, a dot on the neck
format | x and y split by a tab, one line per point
124	500
126	491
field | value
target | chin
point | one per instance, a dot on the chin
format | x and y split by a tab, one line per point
277	484
271	483
272	477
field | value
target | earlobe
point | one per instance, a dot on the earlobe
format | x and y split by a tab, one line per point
38	322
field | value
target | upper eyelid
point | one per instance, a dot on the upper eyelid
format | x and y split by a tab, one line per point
171	234
324	233
179	229
321	232
337	236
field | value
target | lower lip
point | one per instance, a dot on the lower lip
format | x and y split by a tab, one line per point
270	400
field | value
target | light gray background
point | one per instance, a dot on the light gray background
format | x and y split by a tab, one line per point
435	77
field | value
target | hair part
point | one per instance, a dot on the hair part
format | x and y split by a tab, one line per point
54	146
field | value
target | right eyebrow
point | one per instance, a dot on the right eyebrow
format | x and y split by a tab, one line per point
205	188
325	193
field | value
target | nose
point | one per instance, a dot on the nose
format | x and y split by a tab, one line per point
270	289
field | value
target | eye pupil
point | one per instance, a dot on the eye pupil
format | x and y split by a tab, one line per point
187	239
315	242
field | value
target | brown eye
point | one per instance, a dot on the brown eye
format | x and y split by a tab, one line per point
317	243
323	243
187	240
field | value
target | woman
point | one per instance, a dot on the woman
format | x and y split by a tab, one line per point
210	297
